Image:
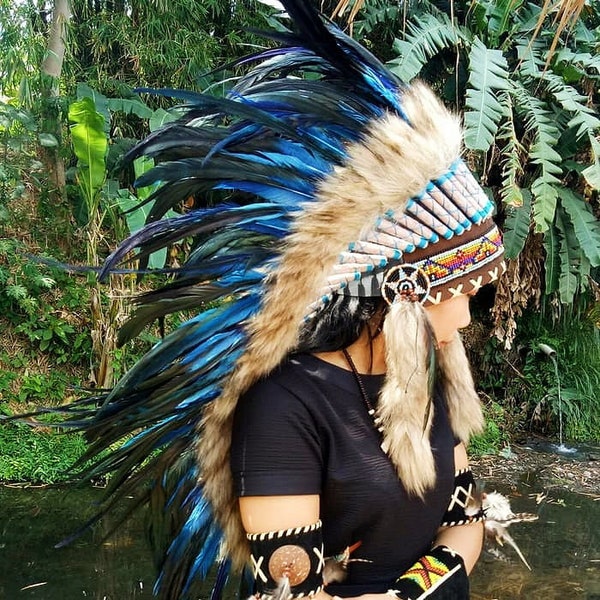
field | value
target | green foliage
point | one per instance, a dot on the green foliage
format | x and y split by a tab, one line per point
512	170
90	145
488	74
136	209
494	436
155	43
531	388
30	301
37	455
22	44
516	225
553	264
586	228
18	133
427	35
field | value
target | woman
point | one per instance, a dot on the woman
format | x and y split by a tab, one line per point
288	476
326	390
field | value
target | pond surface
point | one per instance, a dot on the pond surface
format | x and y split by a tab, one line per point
562	547
34	520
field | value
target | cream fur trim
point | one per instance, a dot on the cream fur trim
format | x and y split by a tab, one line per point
405	409
394	161
404	399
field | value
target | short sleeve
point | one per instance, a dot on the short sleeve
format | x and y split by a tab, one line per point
275	446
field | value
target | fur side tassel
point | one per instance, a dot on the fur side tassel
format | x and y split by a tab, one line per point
405	410
464	407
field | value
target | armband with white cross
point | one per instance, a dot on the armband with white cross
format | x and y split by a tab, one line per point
287	563
465	503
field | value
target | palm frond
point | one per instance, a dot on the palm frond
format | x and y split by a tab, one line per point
516	226
572	267
376	13
584	62
540	126
552	262
585	225
499	17
427	36
584	118
530	64
512	151
488	74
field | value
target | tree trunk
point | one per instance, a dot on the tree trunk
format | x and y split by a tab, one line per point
55	51
51	70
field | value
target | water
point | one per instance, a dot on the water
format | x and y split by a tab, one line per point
562	547
562	449
577	452
34	520
551	353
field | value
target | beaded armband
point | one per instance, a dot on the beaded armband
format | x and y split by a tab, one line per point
287	563
465	504
439	575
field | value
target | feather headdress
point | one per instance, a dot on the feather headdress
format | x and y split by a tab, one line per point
344	182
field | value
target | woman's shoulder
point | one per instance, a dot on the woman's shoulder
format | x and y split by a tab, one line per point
307	376
294	378
287	398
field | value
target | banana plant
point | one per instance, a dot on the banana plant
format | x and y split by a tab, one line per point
90	145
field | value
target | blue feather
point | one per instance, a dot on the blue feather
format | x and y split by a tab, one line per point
206	557
223	571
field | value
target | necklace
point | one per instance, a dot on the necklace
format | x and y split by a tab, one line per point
362	390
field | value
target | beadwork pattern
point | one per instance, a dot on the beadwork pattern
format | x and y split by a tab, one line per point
447	208
447	265
441	568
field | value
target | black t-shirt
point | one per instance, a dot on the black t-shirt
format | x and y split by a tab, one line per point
305	430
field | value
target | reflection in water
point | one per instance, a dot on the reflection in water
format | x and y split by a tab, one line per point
34	520
563	548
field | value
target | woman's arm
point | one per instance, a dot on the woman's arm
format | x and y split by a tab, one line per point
261	514
467	540
272	513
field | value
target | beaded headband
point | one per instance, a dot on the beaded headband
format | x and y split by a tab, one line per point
445	233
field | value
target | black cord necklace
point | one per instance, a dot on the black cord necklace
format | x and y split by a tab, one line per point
362	390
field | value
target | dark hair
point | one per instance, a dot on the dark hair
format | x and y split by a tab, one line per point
338	324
